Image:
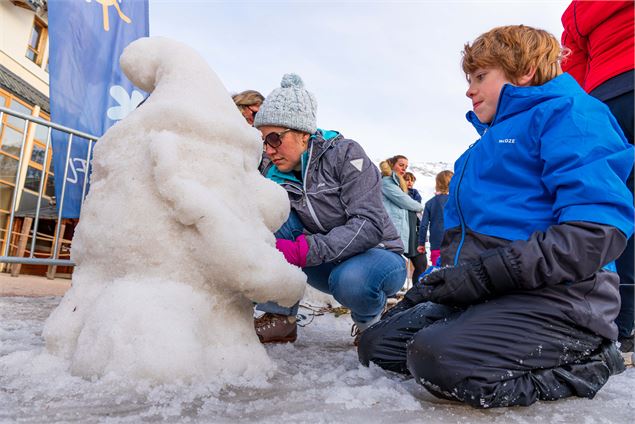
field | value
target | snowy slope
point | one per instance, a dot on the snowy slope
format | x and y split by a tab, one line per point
426	173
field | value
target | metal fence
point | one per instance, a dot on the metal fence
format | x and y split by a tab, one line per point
9	256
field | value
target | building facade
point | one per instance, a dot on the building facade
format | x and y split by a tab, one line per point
24	88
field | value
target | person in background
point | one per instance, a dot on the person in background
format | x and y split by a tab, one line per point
410	179
402	209
524	305
338	231
418	259
432	220
599	36
248	102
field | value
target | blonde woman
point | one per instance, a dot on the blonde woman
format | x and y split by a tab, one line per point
400	206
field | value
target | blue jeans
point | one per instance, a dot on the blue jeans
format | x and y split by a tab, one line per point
362	283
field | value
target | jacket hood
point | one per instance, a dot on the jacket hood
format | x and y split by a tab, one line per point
319	142
322	140
395	178
514	99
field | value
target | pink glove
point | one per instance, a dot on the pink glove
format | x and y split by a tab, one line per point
294	251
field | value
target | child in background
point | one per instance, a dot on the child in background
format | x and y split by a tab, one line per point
524	306
418	259
432	220
410	179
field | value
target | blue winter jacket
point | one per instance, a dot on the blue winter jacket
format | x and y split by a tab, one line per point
547	182
414	193
546	158
432	220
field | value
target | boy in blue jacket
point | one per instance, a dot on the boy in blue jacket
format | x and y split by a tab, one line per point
523	306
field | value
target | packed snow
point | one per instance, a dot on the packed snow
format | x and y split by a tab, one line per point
175	241
317	380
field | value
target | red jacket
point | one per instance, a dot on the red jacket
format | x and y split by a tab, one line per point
600	35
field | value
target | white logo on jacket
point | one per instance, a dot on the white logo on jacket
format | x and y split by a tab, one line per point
507	140
358	164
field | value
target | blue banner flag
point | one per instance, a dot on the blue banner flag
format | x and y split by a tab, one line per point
88	90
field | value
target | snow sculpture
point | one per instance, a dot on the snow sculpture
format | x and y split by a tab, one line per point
175	239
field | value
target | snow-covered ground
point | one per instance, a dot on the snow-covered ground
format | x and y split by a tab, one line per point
318	380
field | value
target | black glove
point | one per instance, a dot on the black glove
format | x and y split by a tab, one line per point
471	283
411	298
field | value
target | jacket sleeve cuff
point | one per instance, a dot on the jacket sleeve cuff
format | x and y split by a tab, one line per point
499	270
312	257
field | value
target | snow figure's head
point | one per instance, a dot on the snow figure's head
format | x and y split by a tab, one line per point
175	238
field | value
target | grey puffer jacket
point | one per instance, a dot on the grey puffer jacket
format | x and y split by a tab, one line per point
339	200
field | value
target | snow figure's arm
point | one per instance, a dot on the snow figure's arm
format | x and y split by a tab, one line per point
361	197
266	193
227	231
188	198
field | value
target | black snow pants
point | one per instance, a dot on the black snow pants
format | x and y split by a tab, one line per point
513	350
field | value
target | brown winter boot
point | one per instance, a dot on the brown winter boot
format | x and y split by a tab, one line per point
275	328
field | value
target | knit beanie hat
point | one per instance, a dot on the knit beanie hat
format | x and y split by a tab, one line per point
290	106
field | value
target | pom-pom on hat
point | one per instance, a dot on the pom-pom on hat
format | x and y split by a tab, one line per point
290	106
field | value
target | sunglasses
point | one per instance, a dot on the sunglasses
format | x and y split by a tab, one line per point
274	139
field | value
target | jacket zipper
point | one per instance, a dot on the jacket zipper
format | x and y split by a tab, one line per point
306	197
458	204
456	199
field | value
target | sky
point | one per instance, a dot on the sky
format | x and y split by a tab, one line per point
385	73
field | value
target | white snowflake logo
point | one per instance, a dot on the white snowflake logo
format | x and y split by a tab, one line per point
127	103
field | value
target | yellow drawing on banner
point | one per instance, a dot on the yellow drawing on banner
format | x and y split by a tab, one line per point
105	4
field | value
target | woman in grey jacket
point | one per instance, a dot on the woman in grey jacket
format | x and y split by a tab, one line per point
338	231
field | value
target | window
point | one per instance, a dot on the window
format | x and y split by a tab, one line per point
11	139
12	130
8	169
37	42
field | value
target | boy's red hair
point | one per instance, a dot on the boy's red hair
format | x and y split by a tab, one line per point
517	50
